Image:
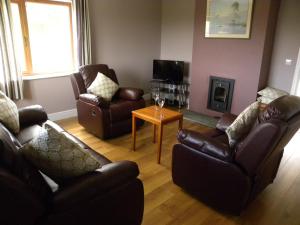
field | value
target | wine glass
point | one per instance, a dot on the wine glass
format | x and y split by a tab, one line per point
156	95
161	102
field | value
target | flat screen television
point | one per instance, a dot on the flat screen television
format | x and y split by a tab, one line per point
168	70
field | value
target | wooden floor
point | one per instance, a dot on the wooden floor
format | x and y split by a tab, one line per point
166	203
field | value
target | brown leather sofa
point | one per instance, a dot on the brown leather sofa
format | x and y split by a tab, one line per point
229	179
99	117
111	195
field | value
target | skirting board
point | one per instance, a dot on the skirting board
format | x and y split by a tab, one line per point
63	115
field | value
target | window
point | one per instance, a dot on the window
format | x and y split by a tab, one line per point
43	35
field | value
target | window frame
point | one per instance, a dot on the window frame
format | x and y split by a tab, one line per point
25	32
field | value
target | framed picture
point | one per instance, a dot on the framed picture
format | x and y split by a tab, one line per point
228	18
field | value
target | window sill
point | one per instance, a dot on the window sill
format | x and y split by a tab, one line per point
47	76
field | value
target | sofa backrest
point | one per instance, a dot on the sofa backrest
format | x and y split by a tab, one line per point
87	74
261	151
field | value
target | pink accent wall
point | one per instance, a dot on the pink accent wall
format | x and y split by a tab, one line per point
245	60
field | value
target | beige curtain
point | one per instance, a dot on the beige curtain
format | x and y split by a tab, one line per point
10	73
83	32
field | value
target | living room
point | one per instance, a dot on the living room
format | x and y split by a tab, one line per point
127	38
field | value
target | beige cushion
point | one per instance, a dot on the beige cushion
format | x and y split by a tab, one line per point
103	87
9	114
242	124
272	93
57	156
265	100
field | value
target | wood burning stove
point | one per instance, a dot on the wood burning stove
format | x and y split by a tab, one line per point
220	94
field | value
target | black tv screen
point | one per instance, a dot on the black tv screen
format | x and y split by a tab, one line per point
168	70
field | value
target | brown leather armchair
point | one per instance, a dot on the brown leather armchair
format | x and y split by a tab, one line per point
110	195
230	178
99	117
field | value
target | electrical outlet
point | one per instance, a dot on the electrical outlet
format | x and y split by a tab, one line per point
288	62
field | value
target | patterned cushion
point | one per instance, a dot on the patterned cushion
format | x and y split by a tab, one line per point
57	156
103	87
272	93
9	114
242	124
265	100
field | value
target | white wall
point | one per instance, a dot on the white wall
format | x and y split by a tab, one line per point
287	43
126	36
177	29
54	94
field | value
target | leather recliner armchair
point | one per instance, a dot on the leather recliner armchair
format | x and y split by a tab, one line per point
99	117
230	178
110	195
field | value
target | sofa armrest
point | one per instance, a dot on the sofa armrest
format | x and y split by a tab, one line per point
131	94
205	144
94	100
99	182
30	115
225	121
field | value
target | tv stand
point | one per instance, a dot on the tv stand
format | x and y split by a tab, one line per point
176	94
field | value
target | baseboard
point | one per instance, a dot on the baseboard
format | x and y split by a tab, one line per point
63	115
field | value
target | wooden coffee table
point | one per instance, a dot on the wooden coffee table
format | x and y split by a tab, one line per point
158	117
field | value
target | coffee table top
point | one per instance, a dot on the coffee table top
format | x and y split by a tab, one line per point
157	115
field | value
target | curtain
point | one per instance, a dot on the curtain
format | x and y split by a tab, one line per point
83	32
10	73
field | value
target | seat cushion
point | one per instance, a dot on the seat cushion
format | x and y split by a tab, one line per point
216	134
28	133
212	132
121	109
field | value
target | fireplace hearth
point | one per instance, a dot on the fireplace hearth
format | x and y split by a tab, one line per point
220	94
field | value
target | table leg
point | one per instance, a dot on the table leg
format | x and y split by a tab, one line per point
154	133
180	123
133	132
159	143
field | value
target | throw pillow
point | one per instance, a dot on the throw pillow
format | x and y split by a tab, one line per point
265	100
242	124
9	114
57	156
272	93
103	87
